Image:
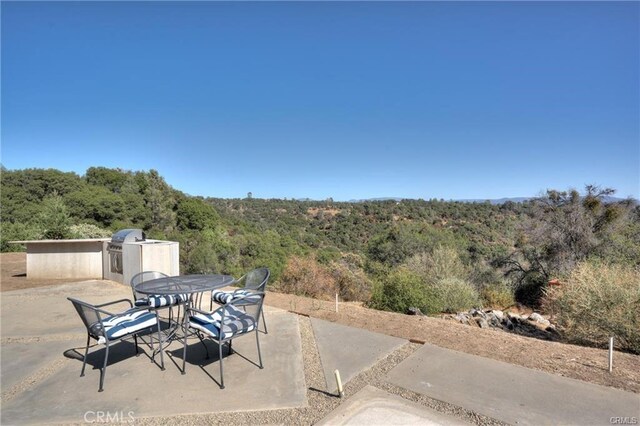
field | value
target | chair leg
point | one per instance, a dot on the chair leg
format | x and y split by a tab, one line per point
230	348
135	341
203	344
184	351
103	372
160	342
264	322
221	369
84	360
258	344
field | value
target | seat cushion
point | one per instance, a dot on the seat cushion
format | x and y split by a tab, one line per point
120	325
235	322
159	301
224	297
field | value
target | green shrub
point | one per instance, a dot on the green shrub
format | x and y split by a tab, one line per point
88	230
16	232
442	262
404	288
452	295
597	301
398	291
497	295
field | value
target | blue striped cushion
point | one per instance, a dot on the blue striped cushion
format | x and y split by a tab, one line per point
215	317
236	322
128	322
159	301
224	297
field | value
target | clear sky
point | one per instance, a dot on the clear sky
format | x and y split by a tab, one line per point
347	100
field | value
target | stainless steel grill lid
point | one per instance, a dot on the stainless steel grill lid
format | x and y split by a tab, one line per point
128	236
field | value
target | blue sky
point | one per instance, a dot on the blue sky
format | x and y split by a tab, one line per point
347	100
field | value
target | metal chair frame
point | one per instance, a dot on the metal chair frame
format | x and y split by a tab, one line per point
242	301
97	309
260	287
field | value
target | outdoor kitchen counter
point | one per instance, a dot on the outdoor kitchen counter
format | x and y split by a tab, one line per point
55	259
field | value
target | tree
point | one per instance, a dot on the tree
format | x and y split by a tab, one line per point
193	213
159	199
54	218
563	228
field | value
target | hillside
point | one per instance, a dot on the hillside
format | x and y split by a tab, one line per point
437	256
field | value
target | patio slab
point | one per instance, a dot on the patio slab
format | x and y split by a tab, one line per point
137	386
510	393
20	360
49	312
349	350
372	406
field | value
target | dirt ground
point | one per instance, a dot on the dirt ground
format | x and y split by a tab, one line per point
577	362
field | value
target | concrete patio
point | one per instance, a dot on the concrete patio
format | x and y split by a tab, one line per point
387	380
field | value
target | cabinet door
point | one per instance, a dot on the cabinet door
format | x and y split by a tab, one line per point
161	258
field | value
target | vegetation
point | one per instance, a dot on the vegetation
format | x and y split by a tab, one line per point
435	255
599	300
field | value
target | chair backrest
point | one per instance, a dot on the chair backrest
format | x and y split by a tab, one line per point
88	313
142	277
256	279
251	305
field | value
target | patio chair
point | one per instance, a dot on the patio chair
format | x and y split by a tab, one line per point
255	280
108	328
238	317
157	301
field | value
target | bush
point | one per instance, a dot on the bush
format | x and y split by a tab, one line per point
88	230
598	300
497	295
304	276
452	295
351	281
398	291
443	262
15	232
404	288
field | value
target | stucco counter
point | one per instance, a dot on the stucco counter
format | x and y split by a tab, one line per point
82	258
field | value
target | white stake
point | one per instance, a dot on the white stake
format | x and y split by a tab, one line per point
339	383
336	304
610	354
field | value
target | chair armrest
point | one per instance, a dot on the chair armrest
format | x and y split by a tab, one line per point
200	311
129	311
240	298
114	302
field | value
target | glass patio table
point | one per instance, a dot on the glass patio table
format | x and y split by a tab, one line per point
184	284
191	285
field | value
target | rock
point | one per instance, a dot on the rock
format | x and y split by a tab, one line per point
513	317
462	318
506	323
493	320
535	317
498	314
477	313
539	319
414	311
482	323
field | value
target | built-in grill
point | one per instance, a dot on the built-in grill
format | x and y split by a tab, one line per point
115	246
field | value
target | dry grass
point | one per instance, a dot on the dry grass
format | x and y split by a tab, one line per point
598	300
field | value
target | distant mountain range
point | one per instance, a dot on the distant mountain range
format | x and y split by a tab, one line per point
496	201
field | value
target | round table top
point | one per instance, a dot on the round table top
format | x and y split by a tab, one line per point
184	284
